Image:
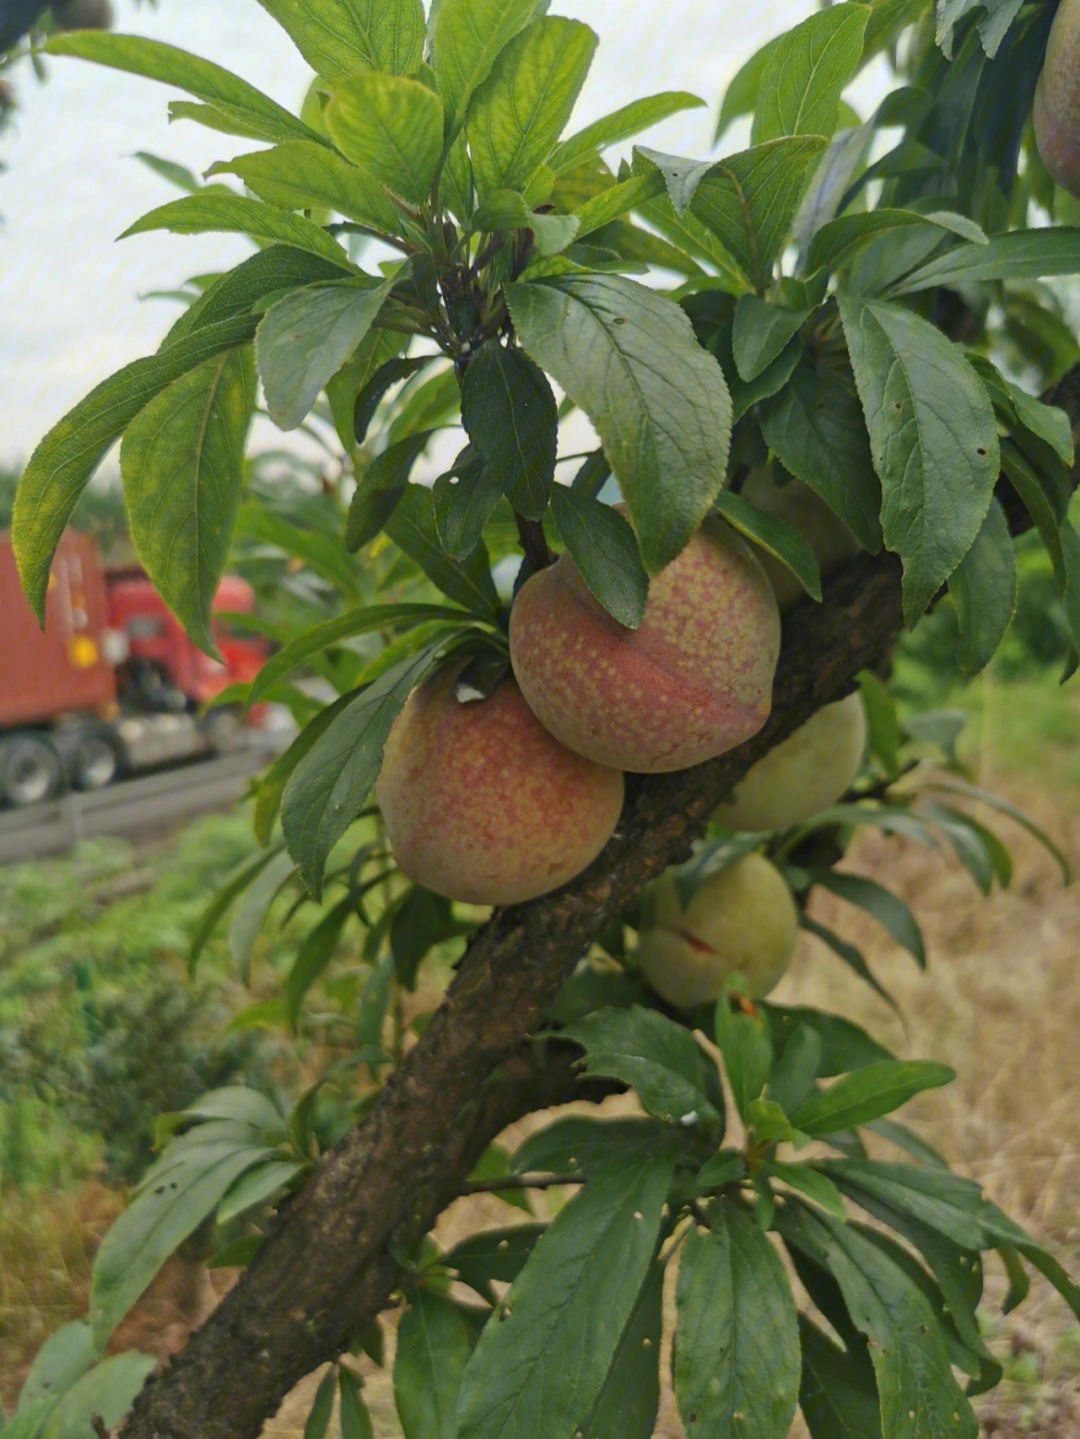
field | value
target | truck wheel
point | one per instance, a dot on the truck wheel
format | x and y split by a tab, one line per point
95	759
30	770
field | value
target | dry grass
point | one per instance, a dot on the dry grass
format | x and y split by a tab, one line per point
998	1002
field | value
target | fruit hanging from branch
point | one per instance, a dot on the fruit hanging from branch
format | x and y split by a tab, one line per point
693	681
740	921
1056	112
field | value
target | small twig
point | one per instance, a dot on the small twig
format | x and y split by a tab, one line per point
97	1424
533	542
521	1181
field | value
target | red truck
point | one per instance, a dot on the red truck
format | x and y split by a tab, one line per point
113	684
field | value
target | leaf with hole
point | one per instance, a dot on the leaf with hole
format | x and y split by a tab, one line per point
569	1307
736	1365
182	464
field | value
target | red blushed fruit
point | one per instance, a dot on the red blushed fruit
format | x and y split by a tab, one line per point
482	804
693	681
1056	112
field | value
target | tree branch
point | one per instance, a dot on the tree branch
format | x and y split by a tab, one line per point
327	1270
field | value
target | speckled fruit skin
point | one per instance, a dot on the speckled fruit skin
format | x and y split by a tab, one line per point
811	769
796	503
741	921
693	681
482	804
1056	112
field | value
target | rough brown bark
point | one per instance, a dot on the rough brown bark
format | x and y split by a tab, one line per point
326	1270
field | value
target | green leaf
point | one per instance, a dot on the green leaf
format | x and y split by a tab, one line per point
907	1140
665	431
212	211
463	500
967	840
510	415
468	36
108	1390
868	1094
468	583
317	1424
272	785
681	176
749	200
256	1187
907	1348
887	908
507	210
62	1359
434	1345
725	1167
838	1393
805	75
1018	255
841	240
341	38
319	551
63	463
627	1405
306	337
744	1040
250	913
241	1103
520	110
329	786
265	119
741	95
933	438
813	1184
621	124
353	1416
497	1255
588	1146
278	267
1047	422
568	1309
792	1079
658	1057
605	550
1003	806
883	723
317	950
736	1367
608	205
844	1046
761	333
769	1124
816	428
424	919
777	538
390	126
370	396
160	1218
494	1164
1019	1279
380	489
332	632
182	463
851	956
301	174
244	875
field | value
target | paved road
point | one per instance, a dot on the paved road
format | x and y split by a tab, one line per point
136	809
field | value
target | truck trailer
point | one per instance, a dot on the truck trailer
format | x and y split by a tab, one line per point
112	685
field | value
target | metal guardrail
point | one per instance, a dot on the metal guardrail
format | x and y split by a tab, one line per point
134	808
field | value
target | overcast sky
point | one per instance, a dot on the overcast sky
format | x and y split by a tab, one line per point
70	312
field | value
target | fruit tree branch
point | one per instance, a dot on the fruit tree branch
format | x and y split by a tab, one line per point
327	1269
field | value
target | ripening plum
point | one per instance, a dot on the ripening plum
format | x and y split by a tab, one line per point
693	681
482	804
1056	112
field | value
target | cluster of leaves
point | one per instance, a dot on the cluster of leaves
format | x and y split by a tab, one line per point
831	314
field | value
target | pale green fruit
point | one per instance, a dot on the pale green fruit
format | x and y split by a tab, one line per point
741	921
804	774
796	504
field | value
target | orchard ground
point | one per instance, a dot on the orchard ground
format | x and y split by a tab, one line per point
999	1003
